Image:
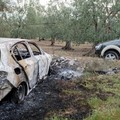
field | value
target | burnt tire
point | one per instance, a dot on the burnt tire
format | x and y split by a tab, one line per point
111	55
18	94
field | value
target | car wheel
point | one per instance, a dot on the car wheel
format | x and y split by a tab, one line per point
111	55
18	94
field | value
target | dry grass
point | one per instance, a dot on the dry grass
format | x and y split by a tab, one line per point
78	51
102	92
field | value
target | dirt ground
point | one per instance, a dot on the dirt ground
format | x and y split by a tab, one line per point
78	51
66	99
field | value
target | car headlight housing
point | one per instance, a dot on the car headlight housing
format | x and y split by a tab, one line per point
98	47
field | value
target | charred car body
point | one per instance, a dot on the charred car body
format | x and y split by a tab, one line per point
22	65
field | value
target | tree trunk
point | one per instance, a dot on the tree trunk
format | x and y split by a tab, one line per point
39	38
68	46
52	41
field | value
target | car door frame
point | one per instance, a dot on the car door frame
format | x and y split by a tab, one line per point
42	59
29	80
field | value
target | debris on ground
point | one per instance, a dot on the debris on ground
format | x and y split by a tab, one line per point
100	66
65	69
109	71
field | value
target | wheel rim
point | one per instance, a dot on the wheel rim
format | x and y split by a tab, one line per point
110	56
20	92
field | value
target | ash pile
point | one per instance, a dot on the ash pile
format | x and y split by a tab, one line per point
65	69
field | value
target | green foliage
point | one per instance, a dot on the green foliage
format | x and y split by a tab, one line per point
78	21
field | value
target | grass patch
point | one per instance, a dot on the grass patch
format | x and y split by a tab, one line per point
100	92
105	114
110	108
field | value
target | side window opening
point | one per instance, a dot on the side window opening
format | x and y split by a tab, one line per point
21	51
35	49
17	54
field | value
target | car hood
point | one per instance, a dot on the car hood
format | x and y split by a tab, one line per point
112	42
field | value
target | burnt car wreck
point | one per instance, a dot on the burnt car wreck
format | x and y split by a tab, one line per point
22	65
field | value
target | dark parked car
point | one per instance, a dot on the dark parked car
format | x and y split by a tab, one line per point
109	50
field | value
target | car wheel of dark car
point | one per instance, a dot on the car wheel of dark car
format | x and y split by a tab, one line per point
111	55
18	94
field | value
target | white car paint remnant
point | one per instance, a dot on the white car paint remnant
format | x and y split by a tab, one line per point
20	67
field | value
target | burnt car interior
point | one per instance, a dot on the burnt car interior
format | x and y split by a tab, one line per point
21	51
